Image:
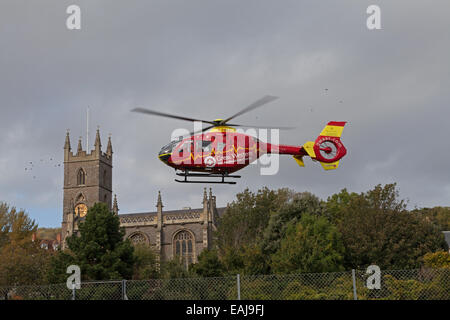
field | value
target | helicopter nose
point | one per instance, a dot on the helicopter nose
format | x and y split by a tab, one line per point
164	157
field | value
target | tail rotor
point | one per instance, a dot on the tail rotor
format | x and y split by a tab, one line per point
328	148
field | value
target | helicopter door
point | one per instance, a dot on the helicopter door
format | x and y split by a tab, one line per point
218	147
202	149
203	146
183	151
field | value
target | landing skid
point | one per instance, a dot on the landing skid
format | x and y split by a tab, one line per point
187	174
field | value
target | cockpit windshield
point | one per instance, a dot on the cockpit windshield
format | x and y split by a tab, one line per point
168	147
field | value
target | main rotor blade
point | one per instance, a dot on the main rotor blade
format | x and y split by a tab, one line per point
167	115
241	125
259	127
254	105
201	131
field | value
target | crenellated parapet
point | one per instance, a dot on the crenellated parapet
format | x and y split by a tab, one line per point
84	155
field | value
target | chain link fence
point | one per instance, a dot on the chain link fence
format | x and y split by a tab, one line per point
419	284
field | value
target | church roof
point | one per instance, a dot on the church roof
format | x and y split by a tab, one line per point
220	211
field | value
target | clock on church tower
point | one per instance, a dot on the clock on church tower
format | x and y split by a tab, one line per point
81	210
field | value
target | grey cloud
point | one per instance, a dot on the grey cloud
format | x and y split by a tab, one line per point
209	59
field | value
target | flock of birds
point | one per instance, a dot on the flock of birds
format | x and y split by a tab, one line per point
30	165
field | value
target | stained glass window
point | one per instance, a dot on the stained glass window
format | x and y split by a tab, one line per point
138	238
183	245
81	177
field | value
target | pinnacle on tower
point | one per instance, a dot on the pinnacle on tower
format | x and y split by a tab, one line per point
80	148
115	206
205	199
159	200
109	150
67	144
97	144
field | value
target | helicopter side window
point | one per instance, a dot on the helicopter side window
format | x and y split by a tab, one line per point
203	146
198	146
206	145
220	146
186	146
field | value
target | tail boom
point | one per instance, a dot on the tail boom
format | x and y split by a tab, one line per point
327	149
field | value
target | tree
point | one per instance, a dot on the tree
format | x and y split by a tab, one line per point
58	266
438	215
241	229
22	261
23	264
336	204
174	269
437	260
15	226
233	260
377	229
99	249
311	245
4	227
208	264
248	259
246	218
289	214
145	262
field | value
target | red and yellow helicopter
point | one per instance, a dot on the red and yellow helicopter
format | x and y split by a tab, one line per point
219	150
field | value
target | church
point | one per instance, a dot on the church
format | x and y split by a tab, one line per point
177	233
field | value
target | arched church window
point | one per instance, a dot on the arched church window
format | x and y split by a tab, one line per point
183	244
138	238
81	177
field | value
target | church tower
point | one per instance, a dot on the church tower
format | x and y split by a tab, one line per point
87	180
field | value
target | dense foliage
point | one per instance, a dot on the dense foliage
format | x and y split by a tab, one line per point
22	261
311	245
260	233
377	229
281	231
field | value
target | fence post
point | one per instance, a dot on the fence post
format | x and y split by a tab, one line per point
355	297
73	292
238	279
124	290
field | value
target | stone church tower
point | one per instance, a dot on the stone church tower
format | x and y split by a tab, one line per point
87	180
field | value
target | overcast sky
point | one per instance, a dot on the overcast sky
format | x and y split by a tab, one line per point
209	59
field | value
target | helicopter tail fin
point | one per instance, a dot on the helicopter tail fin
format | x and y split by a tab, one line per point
328	148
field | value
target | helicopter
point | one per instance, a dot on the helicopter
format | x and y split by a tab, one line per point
219	150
